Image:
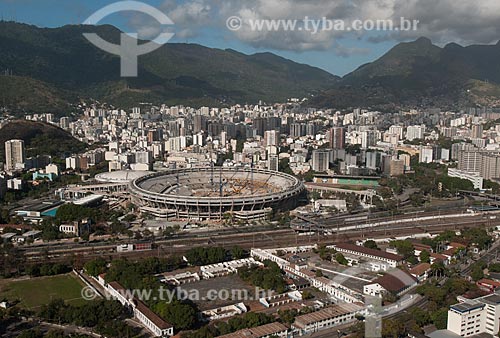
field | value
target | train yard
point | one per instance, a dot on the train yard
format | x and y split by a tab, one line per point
355	228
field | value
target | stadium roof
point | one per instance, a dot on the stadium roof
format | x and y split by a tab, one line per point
121	176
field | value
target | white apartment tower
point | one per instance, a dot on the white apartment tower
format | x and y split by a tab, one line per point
14	154
415	132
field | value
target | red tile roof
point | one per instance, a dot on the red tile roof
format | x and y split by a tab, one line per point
420	269
153	317
457	245
396	281
368	251
257	332
439	256
485	281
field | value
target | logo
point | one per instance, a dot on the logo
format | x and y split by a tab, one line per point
129	49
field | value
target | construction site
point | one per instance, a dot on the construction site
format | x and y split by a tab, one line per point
211	193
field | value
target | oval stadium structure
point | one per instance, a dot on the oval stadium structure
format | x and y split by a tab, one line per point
205	193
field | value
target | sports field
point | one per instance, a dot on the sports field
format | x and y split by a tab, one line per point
34	292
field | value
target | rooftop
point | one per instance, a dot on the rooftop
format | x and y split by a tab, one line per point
153	317
257	332
120	176
464	307
326	313
420	269
368	251
395	281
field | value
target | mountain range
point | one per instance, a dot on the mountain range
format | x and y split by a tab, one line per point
50	69
419	73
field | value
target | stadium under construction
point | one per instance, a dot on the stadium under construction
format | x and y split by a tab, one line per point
212	193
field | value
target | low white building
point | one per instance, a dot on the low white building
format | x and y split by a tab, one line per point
265	331
224	312
151	320
15	184
340	205
396	282
146	317
370	254
226	268
326	318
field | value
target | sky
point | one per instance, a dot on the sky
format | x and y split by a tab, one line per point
323	35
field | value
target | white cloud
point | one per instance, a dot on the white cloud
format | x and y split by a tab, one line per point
443	21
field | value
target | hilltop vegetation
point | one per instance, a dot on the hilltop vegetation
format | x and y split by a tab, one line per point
39	138
59	65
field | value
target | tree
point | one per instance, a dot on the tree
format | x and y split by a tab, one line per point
404	248
307	295
205	256
371	244
440	318
425	256
95	267
325	253
341	259
477	273
392	328
181	315
494	267
438	269
421	316
287	316
237	252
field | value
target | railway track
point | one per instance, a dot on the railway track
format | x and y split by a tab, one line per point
263	239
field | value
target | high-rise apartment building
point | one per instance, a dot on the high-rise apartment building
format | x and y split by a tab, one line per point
415	132
337	138
14	154
320	160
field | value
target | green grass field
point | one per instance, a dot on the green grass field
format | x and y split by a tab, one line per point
35	292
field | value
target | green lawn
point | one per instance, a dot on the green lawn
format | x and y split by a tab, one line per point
35	292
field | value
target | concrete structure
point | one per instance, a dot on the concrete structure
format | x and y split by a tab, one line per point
475	178
200	193
3	186
479	315
397	167
224	312
226	268
372	254
275	330
368	138
320	160
15	184
396	282
465	319
337	138
326	318
144	315
426	155
281	299
180	278
415	132
469	160
14	155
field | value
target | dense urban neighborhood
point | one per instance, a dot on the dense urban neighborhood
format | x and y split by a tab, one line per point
155	189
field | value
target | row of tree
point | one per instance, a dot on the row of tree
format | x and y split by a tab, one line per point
104	316
269	277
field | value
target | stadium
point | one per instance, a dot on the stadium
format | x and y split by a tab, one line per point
214	193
